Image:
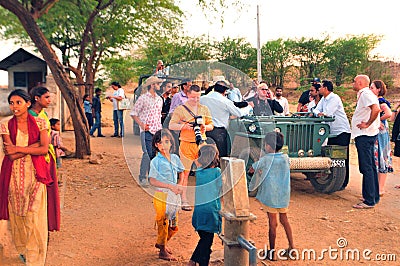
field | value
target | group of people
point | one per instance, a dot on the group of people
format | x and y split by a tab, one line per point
369	128
33	150
198	125
29	196
211	113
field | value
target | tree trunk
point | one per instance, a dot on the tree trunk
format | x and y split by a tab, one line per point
68	91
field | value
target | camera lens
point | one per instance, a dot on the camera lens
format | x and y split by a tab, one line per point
197	134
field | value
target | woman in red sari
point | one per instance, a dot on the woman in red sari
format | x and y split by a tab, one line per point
41	99
23	179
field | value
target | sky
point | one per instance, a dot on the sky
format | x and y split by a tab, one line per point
290	19
303	18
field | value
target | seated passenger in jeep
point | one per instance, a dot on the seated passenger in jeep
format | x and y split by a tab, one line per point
263	102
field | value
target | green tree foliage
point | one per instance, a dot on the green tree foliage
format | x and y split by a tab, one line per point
169	49
96	29
308	54
381	70
92	30
276	60
119	68
238	53
345	57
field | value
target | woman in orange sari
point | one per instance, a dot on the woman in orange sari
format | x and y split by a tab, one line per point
23	179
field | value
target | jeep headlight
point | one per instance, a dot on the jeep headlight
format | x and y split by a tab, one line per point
321	131
310	153
300	153
252	128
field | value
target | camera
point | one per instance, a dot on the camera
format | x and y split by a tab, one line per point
198	120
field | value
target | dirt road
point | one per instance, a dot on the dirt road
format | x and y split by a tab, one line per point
107	219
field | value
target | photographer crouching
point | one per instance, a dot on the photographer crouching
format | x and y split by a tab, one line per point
192	120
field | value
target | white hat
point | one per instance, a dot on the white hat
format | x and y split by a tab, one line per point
151	80
220	78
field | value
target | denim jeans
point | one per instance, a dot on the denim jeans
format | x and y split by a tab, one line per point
97	124
148	153
118	117
368	168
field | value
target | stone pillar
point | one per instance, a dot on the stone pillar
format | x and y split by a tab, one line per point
236	211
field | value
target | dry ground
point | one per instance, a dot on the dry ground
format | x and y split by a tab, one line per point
107	219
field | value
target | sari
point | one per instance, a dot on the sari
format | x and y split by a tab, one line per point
23	198
53	197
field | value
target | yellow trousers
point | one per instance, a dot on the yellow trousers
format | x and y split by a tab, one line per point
164	228
30	234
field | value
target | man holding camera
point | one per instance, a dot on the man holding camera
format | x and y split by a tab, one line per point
264	103
185	118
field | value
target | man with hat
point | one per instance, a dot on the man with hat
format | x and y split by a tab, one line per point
147	114
221	108
118	117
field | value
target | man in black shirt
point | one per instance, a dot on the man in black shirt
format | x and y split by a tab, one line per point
166	88
264	103
305	97
96	110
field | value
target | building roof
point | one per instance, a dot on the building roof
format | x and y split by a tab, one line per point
16	58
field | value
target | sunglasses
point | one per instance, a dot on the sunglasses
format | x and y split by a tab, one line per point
265	89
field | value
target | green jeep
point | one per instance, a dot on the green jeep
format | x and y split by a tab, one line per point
323	166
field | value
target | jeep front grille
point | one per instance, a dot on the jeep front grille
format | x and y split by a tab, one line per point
299	136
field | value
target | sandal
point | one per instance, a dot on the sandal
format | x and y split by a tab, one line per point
362	205
186	206
22	258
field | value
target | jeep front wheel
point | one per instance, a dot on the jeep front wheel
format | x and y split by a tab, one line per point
328	183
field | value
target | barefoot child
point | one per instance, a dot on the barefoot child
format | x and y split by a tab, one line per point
163	176
206	219
274	188
56	141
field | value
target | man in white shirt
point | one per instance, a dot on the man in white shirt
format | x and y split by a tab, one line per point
364	129
282	101
221	109
118	115
147	114
331	105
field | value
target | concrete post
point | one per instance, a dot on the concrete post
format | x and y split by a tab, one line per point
236	214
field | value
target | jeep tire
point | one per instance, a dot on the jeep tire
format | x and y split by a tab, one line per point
329	183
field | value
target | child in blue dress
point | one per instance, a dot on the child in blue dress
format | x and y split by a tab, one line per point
206	219
274	188
164	169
